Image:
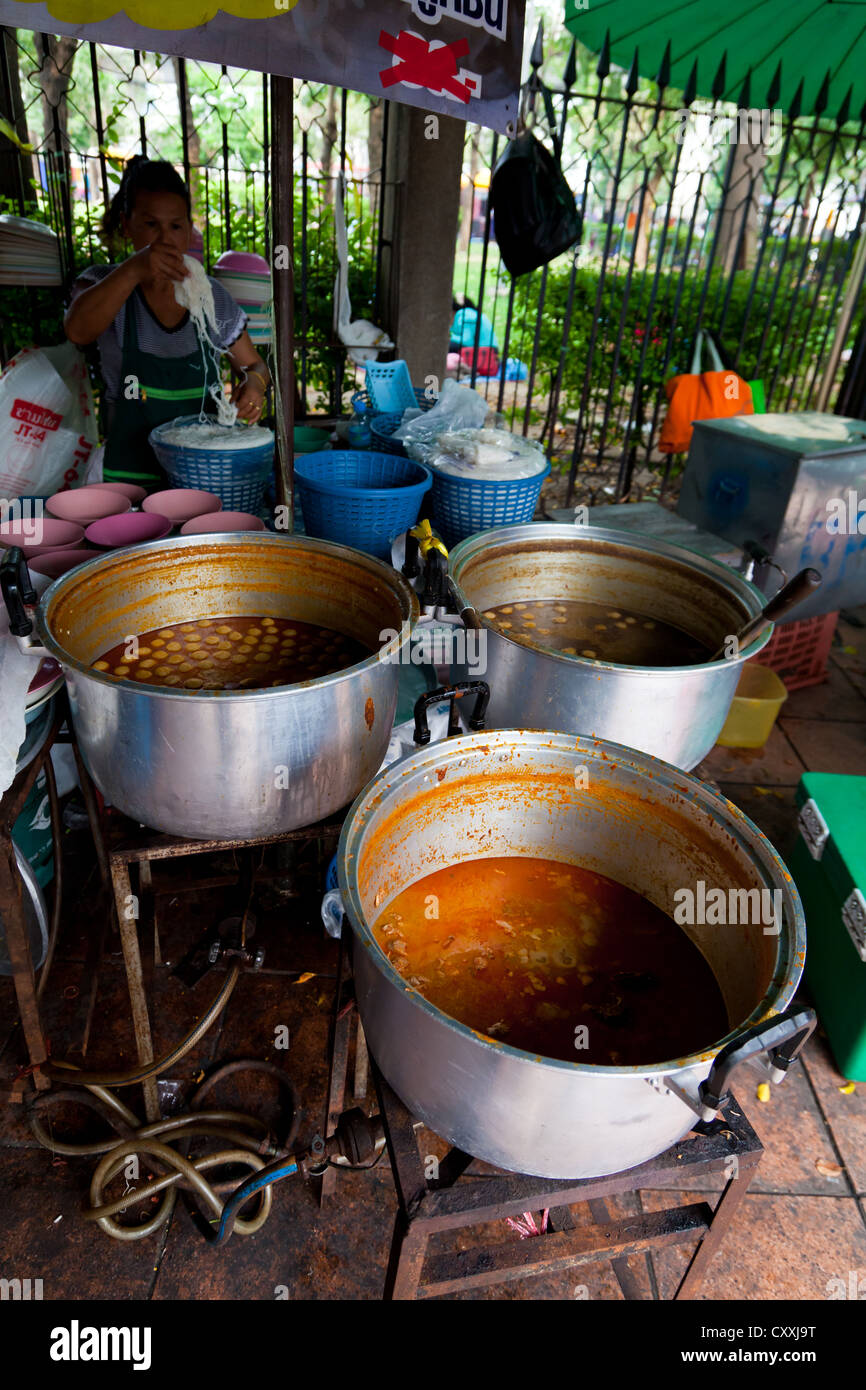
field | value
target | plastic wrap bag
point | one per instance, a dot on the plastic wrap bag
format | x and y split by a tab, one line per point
47	422
17	670
459	407
490	454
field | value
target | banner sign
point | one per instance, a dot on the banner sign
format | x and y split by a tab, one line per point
457	57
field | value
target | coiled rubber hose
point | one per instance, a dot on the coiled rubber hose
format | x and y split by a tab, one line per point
248	1136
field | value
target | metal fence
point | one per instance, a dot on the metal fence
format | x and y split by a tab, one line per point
85	108
696	215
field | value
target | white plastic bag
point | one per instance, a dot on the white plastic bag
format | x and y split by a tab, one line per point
47	421
493	455
458	408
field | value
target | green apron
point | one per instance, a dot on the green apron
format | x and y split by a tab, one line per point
167	387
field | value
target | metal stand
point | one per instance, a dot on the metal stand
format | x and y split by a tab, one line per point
458	1197
143	850
451	1203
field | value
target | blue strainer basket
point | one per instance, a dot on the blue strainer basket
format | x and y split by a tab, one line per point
382	426
360	499
237	476
462	506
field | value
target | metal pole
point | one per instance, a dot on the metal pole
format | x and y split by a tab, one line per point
282	218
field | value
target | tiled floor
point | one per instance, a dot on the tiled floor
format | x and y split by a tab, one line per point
802	1225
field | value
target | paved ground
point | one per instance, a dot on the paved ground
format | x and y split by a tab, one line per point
802	1226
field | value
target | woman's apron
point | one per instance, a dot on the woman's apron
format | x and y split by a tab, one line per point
162	388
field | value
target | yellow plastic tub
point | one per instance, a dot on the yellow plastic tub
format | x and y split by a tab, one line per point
754	709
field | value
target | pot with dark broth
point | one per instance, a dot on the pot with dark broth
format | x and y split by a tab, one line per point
553	959
597	631
232	653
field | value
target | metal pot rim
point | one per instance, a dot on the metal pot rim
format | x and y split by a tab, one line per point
541	531
736	822
396	582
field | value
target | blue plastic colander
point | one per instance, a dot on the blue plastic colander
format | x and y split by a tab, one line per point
360	499
237	476
461	506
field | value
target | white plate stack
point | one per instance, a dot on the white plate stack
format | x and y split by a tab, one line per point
247	277
29	252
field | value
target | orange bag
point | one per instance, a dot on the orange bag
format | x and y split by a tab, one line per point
698	395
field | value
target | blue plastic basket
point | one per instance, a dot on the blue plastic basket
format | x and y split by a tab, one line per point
360	499
382	426
389	385
462	506
237	476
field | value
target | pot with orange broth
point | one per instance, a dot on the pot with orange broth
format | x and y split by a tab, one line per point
522	985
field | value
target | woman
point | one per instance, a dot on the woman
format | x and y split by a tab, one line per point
152	361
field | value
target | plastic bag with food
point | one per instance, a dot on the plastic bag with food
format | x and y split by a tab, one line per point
47	421
491	454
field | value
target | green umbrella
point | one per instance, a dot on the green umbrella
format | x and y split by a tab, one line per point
806	56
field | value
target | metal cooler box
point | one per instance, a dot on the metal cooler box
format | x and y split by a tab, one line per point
829	867
770	478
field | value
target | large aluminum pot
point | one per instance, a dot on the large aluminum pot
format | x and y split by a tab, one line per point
675	713
640	822
229	764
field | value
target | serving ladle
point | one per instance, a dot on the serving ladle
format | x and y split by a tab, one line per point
790	594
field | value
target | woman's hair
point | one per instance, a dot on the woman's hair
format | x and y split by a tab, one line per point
142	175
462	301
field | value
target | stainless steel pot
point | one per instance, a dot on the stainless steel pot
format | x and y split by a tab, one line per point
642	823
674	713
228	764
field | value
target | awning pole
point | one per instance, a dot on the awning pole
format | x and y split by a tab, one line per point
283	274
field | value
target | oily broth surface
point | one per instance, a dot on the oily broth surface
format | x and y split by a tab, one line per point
232	654
580	628
528	950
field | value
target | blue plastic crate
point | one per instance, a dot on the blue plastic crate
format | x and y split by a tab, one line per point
360	498
237	476
462	506
389	385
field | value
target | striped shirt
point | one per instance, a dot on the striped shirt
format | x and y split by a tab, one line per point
153	337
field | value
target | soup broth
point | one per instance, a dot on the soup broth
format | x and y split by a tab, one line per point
598	630
232	654
555	960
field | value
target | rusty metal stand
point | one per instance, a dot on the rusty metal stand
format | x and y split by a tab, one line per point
142	850
459	1199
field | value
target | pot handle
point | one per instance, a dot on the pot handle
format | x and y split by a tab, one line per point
453	693
780	1037
18	591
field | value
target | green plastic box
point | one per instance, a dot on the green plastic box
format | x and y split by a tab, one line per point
829	868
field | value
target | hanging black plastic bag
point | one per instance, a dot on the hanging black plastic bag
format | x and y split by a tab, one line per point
534	214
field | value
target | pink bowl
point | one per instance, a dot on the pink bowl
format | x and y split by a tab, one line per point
112	532
57	562
222	521
86	504
135	493
182	504
243	262
40	535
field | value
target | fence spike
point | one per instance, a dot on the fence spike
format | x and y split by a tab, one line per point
570	75
823	95
775	87
631	82
797	104
664	75
718	88
845	108
691	90
745	100
603	68
536	57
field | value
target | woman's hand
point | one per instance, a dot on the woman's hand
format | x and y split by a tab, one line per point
249	398
158	262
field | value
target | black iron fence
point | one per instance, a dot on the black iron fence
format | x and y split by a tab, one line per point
697	215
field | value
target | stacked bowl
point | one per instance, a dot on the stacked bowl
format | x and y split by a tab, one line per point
247	277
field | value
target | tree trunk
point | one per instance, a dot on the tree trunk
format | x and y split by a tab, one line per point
467	197
192	138
329	143
375	131
642	231
16	168
738	232
54	79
